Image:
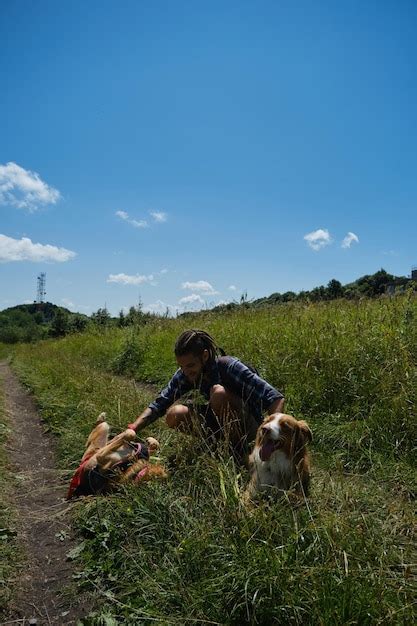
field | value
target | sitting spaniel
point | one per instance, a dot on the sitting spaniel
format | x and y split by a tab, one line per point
280	461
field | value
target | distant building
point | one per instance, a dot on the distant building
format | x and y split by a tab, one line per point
414	273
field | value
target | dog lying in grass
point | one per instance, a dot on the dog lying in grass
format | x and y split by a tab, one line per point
105	464
280	461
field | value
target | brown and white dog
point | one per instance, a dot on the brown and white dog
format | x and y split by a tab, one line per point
105	464
279	461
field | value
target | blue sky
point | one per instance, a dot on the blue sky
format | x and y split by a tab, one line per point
188	152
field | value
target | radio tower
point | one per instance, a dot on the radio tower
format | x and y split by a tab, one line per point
41	291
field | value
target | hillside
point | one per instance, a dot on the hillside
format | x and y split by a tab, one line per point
31	322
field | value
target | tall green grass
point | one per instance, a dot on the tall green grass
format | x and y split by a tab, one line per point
348	365
356	361
187	550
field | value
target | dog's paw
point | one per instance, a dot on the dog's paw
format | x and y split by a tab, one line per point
101	418
153	444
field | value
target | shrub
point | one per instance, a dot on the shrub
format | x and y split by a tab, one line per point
131	356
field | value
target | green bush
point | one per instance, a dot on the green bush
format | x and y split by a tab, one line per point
131	356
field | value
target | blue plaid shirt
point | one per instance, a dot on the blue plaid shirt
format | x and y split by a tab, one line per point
235	377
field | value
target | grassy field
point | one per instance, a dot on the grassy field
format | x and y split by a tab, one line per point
186	551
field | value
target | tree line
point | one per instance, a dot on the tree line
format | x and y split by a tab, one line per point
32	322
27	323
368	286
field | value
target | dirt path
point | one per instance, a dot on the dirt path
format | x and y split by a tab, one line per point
43	594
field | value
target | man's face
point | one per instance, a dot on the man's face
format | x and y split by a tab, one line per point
192	366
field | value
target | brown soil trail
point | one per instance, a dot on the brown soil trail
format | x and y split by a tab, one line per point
43	594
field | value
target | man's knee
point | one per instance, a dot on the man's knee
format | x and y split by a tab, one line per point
176	415
218	396
222	401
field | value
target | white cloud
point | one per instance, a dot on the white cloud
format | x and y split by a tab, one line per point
318	238
232	287
24	189
67	303
136	279
160	273
139	224
160	308
192	299
220	303
349	239
159	216
136	223
125	279
24	250
200	285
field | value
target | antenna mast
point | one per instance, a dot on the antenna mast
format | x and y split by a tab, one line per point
41	291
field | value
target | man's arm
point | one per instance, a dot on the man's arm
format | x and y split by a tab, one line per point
159	406
142	420
277	406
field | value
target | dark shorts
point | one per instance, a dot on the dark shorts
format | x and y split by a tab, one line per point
239	436
204	416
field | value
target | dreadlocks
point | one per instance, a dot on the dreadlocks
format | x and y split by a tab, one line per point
196	341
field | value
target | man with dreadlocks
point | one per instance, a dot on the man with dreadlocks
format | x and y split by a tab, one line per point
236	396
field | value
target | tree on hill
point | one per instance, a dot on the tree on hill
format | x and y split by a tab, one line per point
289	296
60	325
372	285
334	289
78	323
317	294
101	317
135	316
121	322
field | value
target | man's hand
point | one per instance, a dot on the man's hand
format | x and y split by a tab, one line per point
141	421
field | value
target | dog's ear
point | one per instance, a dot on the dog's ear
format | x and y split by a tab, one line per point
305	429
302	435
